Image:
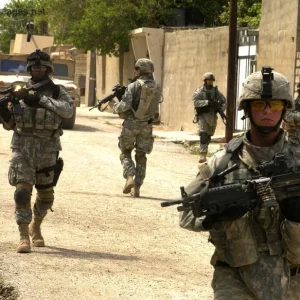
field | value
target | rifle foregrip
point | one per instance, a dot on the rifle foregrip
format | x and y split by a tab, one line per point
108	98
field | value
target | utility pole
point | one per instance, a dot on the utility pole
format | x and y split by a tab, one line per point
231	73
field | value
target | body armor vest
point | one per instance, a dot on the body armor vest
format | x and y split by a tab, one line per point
39	121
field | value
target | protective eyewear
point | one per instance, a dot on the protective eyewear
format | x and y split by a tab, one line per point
40	67
260	105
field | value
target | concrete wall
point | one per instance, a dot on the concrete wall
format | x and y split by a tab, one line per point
149	42
185	56
278	41
80	66
188	54
107	72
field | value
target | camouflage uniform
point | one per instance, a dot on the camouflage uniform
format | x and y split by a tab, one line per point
35	147
250	262
136	133
203	99
292	124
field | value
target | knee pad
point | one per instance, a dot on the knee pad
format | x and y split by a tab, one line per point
22	198
125	154
141	158
44	200
204	137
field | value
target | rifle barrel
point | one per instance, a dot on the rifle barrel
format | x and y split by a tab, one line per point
170	203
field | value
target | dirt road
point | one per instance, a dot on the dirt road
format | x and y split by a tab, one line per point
101	244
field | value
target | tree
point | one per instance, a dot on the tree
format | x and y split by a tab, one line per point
106	24
14	17
249	13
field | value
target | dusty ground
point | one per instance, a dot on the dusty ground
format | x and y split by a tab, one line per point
102	244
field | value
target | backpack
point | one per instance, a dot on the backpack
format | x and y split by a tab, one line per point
146	105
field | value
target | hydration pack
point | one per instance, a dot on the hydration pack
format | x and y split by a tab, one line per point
146	104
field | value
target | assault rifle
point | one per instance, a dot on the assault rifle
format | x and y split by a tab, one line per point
219	110
246	195
117	91
297	105
217	107
13	98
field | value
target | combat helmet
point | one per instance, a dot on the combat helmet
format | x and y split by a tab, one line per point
209	76
39	58
145	65
266	84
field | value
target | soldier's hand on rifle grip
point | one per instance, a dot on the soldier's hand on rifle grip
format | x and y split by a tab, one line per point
120	92
5	114
21	93
32	100
119	96
233	212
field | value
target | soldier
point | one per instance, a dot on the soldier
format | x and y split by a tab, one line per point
139	107
292	121
206	99
35	148
257	253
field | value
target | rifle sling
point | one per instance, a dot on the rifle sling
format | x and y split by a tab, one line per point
231	148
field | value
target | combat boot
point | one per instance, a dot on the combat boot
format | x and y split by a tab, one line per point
24	245
202	157
35	232
135	192
128	185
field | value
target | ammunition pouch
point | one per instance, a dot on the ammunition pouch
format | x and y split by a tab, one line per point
235	243
57	168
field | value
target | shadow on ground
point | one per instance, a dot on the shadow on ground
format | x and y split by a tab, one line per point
86	255
78	127
7	292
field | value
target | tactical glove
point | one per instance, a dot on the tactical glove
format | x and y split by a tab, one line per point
291	209
233	212
5	114
21	93
32	100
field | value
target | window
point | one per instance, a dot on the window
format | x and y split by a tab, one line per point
60	70
15	66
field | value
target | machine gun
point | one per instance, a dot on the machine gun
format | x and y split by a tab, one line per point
246	195
13	98
117	91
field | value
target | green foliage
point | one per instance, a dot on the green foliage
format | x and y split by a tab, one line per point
249	13
13	20
106	24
